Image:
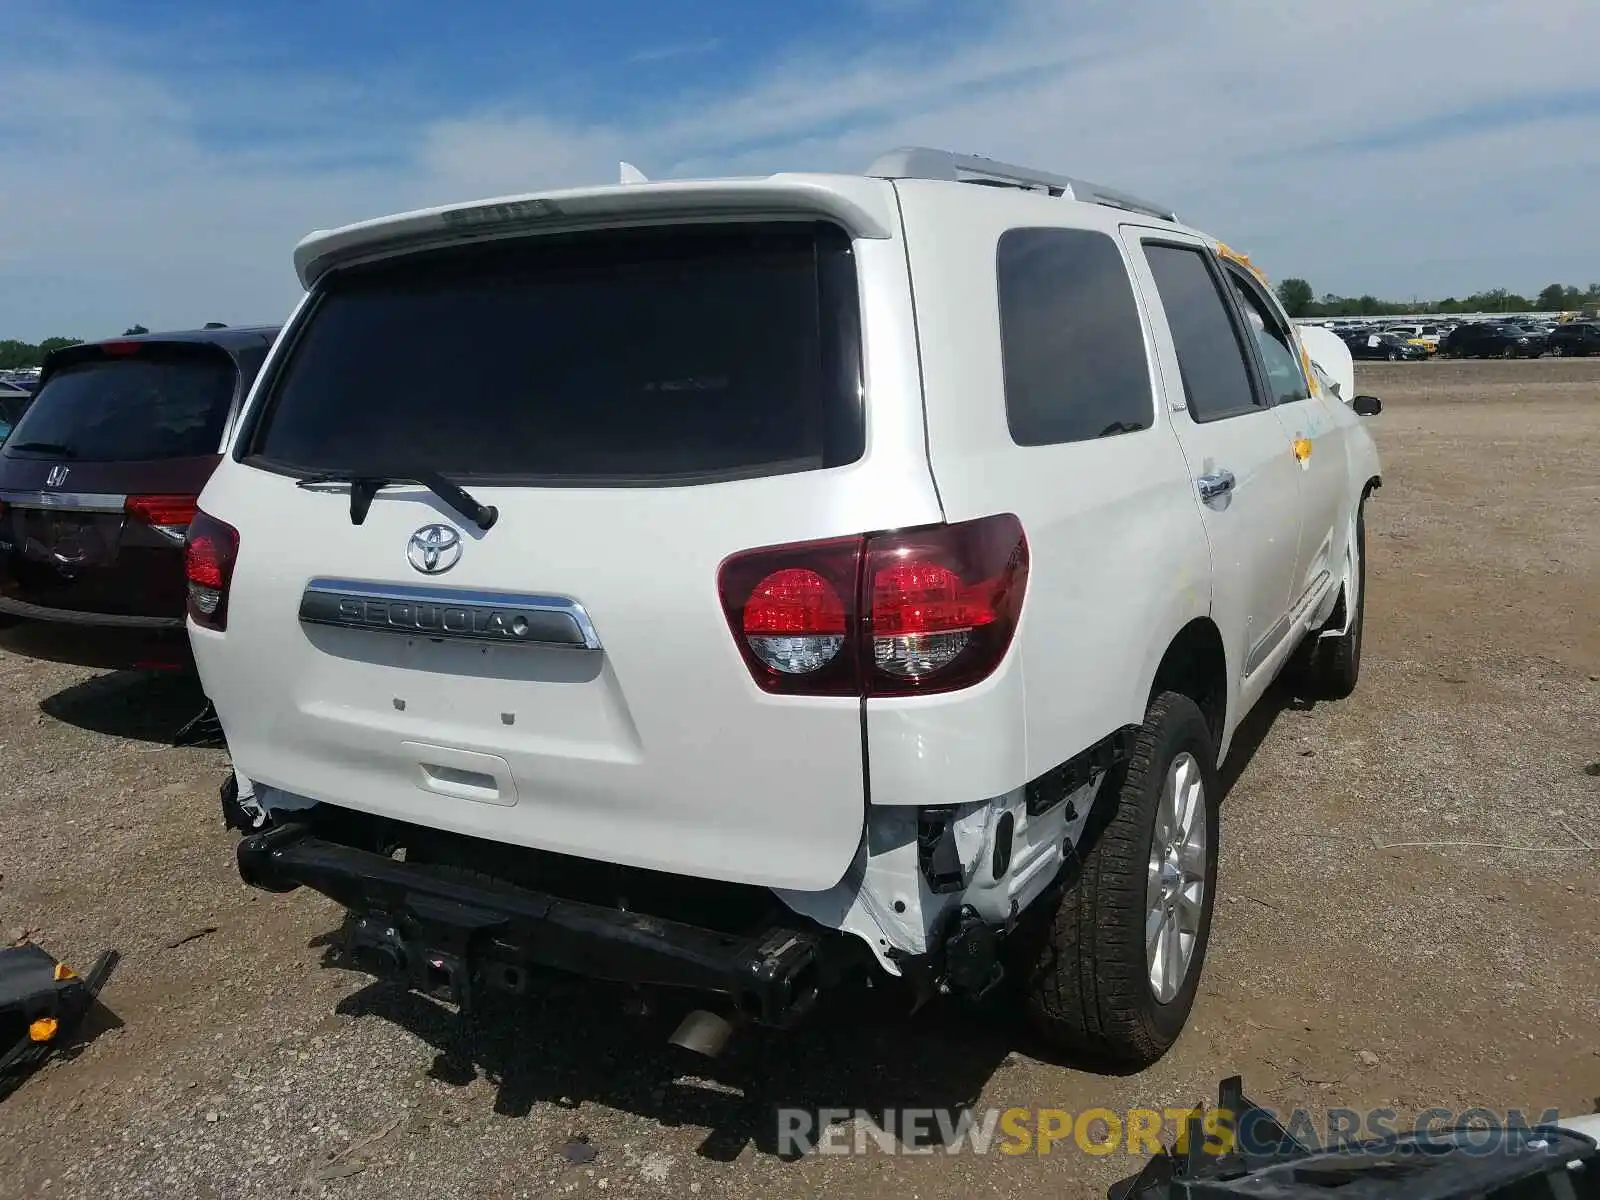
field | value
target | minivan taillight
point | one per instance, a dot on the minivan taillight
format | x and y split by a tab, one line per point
171	514
910	612
209	553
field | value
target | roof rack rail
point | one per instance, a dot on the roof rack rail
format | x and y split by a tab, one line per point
920	162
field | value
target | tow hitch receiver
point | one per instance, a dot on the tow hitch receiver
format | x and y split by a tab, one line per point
450	938
376	945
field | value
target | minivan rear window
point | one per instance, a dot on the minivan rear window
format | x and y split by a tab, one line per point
152	405
666	355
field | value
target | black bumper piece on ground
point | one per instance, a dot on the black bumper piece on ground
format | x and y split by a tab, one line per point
1257	1157
42	1004
450	938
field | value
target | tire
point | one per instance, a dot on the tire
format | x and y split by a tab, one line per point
1557	352
1394	356
1332	665
1087	983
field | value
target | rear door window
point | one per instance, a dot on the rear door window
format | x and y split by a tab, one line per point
1071	339
650	356
155	404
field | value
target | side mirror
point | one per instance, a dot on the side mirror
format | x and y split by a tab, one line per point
1367	406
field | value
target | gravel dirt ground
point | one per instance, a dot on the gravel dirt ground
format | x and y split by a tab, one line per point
1343	969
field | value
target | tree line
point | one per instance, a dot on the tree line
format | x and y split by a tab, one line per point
15	354
1299	300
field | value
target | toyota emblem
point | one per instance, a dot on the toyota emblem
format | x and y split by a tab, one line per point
434	549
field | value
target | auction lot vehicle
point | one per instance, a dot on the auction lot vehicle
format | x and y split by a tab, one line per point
1427	337
14	402
98	483
1370	346
1484	339
735	584
1576	339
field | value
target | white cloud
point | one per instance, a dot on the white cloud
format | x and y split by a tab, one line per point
653	54
124	198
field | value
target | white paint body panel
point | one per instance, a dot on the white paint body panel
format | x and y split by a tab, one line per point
1117	562
660	751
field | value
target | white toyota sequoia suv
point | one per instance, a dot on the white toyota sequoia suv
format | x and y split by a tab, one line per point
736	585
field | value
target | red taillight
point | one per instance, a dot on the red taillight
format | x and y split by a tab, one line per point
120	349
910	612
794	621
209	552
174	512
792	610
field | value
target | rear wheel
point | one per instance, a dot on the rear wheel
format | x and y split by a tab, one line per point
1557	351
1113	975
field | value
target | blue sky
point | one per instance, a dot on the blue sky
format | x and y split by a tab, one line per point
158	161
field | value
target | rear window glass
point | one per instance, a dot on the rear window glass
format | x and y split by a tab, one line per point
146	407
1070	336
648	356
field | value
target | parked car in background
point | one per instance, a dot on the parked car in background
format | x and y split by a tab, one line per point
14	402
1426	336
1368	346
1575	339
1484	339
98	482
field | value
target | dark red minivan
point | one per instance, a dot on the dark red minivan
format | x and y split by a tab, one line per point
98	483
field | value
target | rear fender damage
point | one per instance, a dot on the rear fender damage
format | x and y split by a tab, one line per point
923	874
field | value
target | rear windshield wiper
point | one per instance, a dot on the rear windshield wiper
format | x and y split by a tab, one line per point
60	448
364	487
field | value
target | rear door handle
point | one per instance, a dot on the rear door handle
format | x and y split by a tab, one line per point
1215	485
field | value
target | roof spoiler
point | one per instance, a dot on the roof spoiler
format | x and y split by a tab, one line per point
853	203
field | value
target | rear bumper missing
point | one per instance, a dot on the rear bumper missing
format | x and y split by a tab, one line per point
452	938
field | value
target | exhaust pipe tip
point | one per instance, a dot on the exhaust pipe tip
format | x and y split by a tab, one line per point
703	1032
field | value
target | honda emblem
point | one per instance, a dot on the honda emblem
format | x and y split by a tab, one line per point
57	476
